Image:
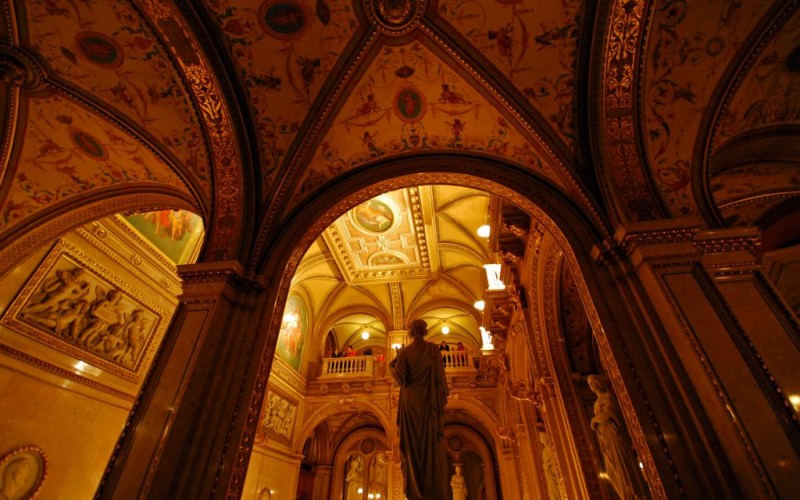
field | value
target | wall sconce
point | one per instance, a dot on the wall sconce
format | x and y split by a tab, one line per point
493	277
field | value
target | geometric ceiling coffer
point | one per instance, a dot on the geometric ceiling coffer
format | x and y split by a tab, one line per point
394	17
383	239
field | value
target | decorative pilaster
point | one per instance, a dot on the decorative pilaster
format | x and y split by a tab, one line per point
731	351
175	443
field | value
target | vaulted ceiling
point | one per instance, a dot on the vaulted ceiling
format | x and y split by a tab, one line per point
243	111
411	253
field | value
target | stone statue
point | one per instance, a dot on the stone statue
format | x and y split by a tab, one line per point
419	371
355	478
459	484
610	428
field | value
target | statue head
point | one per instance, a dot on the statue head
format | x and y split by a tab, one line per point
597	384
419	328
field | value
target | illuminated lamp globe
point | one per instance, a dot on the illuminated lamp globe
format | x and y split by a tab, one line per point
365	335
445	330
484	231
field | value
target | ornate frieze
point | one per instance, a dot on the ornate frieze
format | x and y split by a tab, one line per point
76	306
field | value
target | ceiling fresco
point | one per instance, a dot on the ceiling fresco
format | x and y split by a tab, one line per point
284	51
534	44
409	100
109	52
769	94
686	56
65	154
332	82
347	290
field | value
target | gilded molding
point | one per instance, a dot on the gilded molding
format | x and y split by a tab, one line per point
619	144
66	374
395	17
228	195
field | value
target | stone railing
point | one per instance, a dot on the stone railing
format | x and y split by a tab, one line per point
348	367
457	361
361	367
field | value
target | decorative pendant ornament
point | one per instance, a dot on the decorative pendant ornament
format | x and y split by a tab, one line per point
395	17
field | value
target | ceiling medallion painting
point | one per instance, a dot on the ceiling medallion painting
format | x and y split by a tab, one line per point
283	19
383	239
395	17
99	49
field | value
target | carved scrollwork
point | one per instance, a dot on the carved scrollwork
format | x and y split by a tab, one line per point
20	69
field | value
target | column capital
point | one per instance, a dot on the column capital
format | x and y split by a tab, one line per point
207	276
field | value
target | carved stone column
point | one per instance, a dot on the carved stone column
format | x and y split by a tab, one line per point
182	438
732	354
322	482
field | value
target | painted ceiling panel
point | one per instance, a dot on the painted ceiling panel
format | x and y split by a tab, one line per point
409	100
753	180
107	50
534	44
284	51
748	212
69	151
769	94
686	55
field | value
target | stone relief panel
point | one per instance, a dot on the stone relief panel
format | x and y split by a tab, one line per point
78	307
278	418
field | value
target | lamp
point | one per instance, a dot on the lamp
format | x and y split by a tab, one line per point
445	329
365	335
484	231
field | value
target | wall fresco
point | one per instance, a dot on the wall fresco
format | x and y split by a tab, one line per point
177	233
107	50
67	151
294	329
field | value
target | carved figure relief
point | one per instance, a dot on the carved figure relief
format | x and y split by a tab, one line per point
22	473
69	305
94	318
279	416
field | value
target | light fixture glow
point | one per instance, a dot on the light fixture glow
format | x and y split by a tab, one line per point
445	329
365	335
486	336
641	465
479	305
396	346
360	491
493	277
484	231
795	400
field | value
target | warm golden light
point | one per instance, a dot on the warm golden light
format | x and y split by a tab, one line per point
479	305
795	400
484	231
365	335
445	330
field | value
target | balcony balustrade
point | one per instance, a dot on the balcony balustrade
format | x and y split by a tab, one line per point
364	367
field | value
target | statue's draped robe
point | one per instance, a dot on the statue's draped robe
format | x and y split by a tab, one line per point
423	394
